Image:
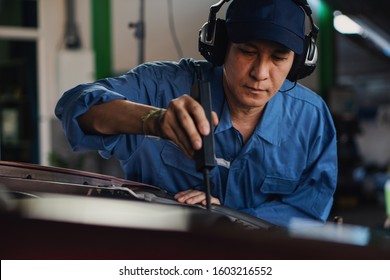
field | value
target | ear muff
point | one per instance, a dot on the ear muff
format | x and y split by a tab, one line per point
306	63
213	41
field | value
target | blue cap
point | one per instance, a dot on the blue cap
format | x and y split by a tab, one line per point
281	21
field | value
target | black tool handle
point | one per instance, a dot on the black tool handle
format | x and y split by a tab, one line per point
205	157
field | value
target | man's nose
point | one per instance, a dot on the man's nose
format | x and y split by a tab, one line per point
259	70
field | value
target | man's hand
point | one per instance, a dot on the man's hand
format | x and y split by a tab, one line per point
195	197
184	122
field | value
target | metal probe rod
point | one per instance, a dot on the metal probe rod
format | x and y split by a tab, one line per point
206	177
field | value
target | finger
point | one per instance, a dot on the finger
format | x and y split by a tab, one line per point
196	199
213	200
171	134
182	108
184	195
180	194
190	197
215	119
183	142
172	130
187	119
201	122
190	130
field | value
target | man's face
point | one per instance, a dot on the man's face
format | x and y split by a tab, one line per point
254	72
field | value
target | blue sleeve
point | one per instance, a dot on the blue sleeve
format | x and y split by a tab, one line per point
76	102
150	83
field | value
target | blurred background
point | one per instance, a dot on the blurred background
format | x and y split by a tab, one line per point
49	46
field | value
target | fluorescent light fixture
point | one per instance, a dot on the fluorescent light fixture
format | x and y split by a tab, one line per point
345	24
363	28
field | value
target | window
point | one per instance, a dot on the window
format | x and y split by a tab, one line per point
18	81
21	13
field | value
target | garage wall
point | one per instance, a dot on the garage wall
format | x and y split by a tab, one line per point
188	17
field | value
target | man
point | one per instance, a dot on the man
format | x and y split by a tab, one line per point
275	140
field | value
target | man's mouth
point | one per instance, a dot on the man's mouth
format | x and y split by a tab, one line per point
255	90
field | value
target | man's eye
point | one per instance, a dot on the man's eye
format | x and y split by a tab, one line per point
248	52
279	58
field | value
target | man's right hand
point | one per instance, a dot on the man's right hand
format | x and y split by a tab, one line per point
184	122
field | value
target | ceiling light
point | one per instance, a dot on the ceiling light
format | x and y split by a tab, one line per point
346	25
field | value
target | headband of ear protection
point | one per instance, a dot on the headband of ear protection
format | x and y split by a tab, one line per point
213	38
213	41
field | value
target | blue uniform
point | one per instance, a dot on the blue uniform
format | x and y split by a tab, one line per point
286	169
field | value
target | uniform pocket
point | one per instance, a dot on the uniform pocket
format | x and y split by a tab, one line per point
274	185
176	161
